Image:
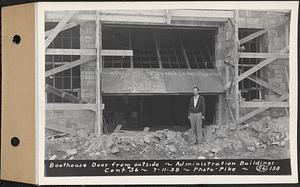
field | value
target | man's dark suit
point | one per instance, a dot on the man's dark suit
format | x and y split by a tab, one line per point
195	115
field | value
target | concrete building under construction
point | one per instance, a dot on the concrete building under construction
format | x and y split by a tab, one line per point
133	69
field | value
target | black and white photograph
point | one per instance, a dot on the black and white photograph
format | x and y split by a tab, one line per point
203	91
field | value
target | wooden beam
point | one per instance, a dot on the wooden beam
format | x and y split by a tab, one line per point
66	17
203	13
184	52
264	55
266	85
118	128
68	66
99	52
132	18
257	34
236	67
63	94
56	16
107	52
60	128
250	104
206	19
67	26
82	52
157	49
259	110
70	106
259	66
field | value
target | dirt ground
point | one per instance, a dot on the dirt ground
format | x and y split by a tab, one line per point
265	139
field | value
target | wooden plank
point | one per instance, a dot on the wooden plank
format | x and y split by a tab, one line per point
266	85
252	36
68	66
250	104
203	13
82	52
62	23
259	66
106	52
236	67
60	128
206	19
154	12
67	26
133	18
63	94
263	55
98	46
257	34
157	49
259	110
70	106
184	52
118	128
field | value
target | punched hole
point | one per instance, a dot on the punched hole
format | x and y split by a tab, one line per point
16	39
15	141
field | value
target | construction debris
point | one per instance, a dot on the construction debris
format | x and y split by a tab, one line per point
261	137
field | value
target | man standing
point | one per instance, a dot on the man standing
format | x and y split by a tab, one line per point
196	113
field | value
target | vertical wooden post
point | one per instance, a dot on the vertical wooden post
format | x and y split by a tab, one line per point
236	67
141	114
98	45
130	47
157	49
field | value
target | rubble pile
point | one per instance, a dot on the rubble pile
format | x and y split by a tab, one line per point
228	141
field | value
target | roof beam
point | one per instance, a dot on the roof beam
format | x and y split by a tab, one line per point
65	19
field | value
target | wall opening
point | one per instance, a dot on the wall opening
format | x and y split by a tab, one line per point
173	47
158	112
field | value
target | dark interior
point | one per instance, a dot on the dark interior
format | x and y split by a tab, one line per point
147	42
156	111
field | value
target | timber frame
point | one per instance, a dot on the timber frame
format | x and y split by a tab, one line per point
161	17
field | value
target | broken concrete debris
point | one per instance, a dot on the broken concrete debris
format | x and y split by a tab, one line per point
228	141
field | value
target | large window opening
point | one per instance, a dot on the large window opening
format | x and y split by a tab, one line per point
157	112
160	47
249	89
68	80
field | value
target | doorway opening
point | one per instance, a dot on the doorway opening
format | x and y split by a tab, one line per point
157	112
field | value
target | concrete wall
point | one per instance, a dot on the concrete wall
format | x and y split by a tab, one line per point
88	80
